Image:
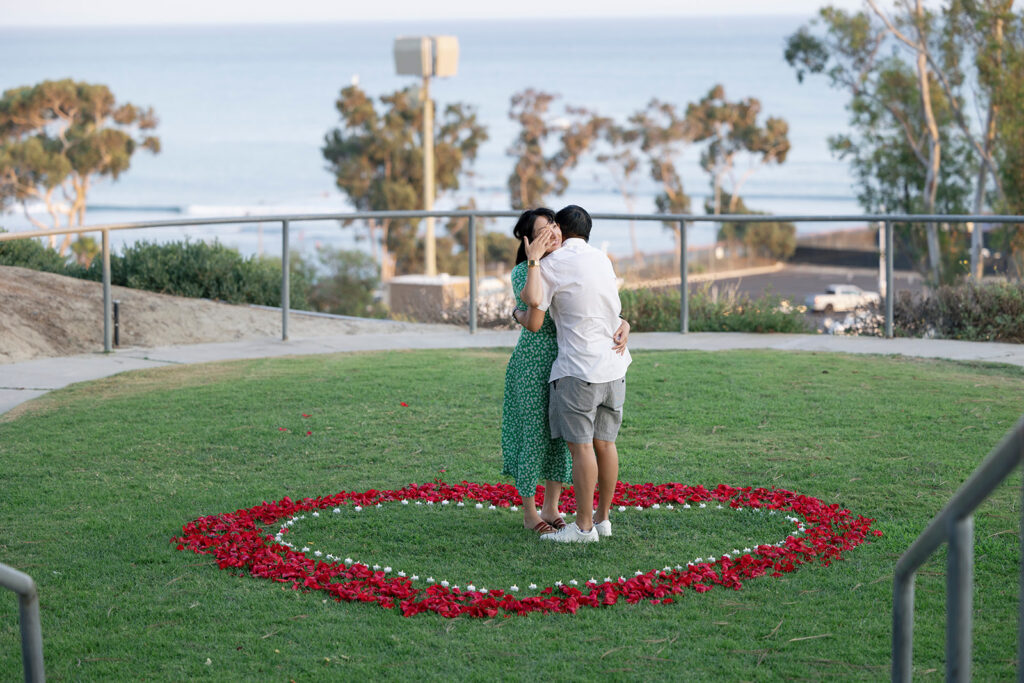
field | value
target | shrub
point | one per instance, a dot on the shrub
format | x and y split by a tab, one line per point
198	269
31	253
658	311
343	282
987	312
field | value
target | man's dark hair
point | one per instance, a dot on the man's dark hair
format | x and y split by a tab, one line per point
574	222
524	227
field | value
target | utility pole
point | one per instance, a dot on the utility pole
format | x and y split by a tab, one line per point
427	56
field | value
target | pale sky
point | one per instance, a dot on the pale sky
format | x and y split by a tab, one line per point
114	12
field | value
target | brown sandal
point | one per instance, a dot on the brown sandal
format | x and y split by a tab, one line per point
558	523
543	528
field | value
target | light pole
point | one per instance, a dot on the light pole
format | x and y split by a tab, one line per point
427	56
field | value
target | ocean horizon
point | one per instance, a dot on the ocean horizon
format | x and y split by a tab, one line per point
244	108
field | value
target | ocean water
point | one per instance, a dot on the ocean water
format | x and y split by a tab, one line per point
243	111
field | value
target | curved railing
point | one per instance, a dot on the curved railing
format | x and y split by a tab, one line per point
682	220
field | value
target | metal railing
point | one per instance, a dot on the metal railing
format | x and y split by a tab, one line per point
28	613
955	525
887	222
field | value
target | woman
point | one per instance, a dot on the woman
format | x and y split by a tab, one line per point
528	451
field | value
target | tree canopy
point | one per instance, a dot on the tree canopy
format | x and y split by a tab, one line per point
58	137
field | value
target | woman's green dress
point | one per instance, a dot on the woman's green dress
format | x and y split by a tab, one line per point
529	454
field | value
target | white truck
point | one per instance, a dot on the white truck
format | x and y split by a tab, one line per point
842	298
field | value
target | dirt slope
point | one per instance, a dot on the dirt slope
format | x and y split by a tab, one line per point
46	315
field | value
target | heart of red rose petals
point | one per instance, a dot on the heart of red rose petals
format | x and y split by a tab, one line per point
237	540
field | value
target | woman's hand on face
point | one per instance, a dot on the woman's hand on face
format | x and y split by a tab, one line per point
536	249
620	338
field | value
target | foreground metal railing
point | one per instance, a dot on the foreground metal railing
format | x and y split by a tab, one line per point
887	222
955	525
28	613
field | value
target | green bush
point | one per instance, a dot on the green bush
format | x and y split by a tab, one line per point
31	253
986	312
649	310
343	282
198	269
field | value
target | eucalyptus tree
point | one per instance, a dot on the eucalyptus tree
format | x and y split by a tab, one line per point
664	134
731	131
376	157
902	74
548	146
619	157
57	138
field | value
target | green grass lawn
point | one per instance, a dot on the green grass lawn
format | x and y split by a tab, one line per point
98	477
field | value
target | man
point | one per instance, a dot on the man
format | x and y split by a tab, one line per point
588	378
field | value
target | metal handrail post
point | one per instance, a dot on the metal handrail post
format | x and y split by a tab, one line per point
28	616
889	294
684	287
959	598
472	275
1020	600
902	627
285	281
108	325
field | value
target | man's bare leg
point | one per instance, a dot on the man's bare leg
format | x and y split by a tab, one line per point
584	480
607	458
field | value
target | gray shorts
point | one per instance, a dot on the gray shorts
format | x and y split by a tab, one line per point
580	412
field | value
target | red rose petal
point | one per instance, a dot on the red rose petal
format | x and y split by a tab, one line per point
404	404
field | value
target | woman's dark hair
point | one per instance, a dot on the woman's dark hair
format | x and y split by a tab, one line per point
524	228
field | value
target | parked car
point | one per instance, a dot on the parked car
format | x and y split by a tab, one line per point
842	298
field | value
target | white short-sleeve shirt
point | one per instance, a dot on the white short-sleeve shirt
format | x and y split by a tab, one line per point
581	290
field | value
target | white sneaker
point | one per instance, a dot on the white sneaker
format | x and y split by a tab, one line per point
603	528
571	533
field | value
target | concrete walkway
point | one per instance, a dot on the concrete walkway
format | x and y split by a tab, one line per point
20	382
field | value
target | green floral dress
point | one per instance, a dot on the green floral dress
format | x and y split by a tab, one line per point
529	454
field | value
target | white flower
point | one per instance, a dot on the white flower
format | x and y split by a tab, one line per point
479	506
305	548
348	561
387	570
573	582
532	586
656	506
316	514
318	553
358	509
514	588
405	502
337	511
445	502
622	508
401	573
445	584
